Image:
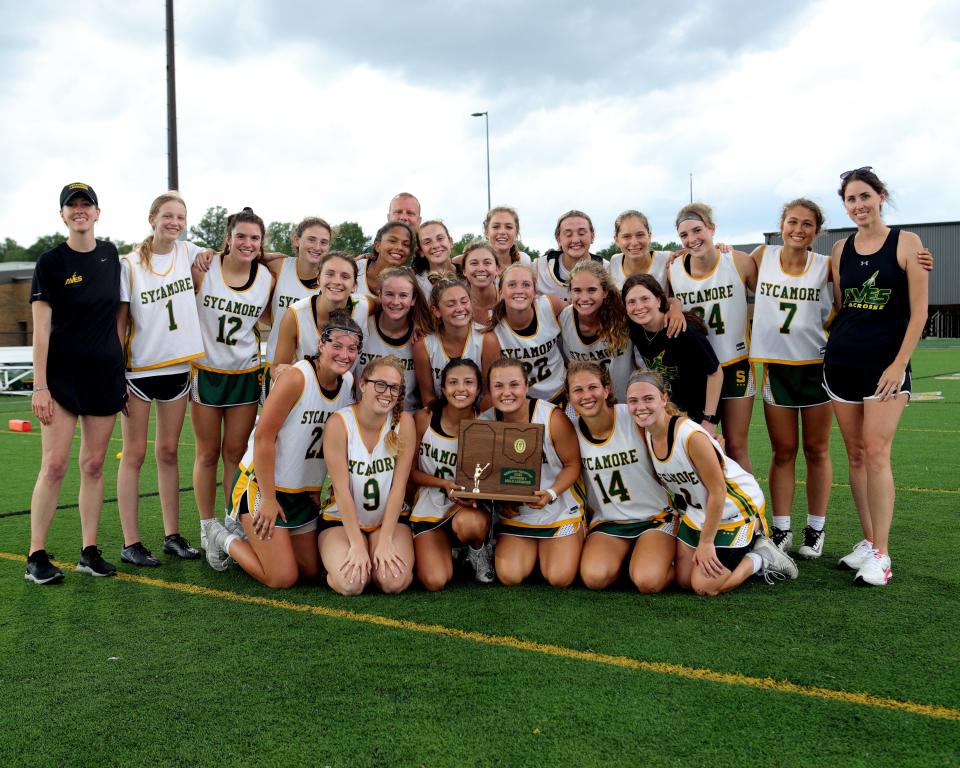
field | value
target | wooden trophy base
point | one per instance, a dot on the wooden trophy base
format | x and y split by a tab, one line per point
518	498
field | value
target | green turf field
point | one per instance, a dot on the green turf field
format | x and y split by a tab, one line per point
183	666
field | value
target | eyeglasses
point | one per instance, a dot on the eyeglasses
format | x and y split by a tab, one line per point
847	174
380	386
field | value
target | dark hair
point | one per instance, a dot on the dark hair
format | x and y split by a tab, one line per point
648	376
246	216
602	372
459	362
571	214
440	286
341	320
653	285
312	221
868	177
394	225
802	202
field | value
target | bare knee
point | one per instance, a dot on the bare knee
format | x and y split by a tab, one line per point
877	454
283	578
816	453
92	466
509	574
649	583
471	530
784	455
207	457
597	575
435	579
133	458
344	587
560	576
394	585
54	470
707	589
166	455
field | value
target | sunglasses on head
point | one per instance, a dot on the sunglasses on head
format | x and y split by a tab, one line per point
847	174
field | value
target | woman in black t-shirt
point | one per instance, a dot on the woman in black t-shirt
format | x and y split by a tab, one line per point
686	361
78	374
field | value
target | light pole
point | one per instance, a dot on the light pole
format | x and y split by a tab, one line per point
486	120
173	180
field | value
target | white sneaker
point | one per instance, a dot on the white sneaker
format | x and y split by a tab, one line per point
213	544
235	527
857	557
875	571
482	562
812	546
777	565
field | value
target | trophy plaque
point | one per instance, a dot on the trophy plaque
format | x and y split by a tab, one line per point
499	461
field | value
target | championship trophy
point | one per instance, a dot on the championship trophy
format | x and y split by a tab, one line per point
499	461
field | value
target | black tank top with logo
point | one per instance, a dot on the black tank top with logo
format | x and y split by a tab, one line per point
875	307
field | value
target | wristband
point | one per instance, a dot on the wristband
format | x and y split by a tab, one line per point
711	418
41	389
552	494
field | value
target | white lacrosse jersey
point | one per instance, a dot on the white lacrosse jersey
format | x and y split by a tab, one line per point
472	350
437	457
376	345
720	298
791	311
592	349
553	279
568	508
658	268
744	500
371	474
618	475
299	464
308	335
289	288
164	329
539	352
228	320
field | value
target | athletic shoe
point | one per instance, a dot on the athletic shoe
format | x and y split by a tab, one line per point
175	544
876	571
235	527
782	538
219	561
92	562
40	570
482	562
217	558
857	557
137	554
777	565
812	546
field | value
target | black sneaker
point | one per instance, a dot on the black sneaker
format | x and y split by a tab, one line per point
783	538
40	570
175	544
137	554
92	562
812	546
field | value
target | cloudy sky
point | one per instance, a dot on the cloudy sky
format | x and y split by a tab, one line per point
306	108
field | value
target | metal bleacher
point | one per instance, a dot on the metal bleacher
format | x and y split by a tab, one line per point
16	370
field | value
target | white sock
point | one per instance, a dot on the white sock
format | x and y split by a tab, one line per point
204	524
782	522
816	522
228	541
756	560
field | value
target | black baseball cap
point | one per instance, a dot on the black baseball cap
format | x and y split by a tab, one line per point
77	188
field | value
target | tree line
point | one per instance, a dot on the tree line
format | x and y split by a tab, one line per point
210	232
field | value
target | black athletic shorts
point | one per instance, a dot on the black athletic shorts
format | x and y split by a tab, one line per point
164	388
854	385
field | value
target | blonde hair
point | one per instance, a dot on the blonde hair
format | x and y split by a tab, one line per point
652	377
500	308
392	440
700	211
612	315
146	247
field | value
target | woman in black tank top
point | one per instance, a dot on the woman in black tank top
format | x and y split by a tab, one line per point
880	287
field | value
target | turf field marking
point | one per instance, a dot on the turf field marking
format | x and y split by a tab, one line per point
506	641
